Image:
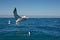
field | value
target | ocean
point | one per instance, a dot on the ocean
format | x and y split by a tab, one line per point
39	28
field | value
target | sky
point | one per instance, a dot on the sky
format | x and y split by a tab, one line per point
41	8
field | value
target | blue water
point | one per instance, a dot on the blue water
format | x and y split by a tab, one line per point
40	29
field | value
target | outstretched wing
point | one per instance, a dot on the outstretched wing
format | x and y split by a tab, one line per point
15	14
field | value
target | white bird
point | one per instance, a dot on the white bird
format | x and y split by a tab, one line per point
17	17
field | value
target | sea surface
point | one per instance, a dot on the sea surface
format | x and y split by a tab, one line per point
30	29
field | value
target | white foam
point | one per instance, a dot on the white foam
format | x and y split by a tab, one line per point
9	22
29	33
